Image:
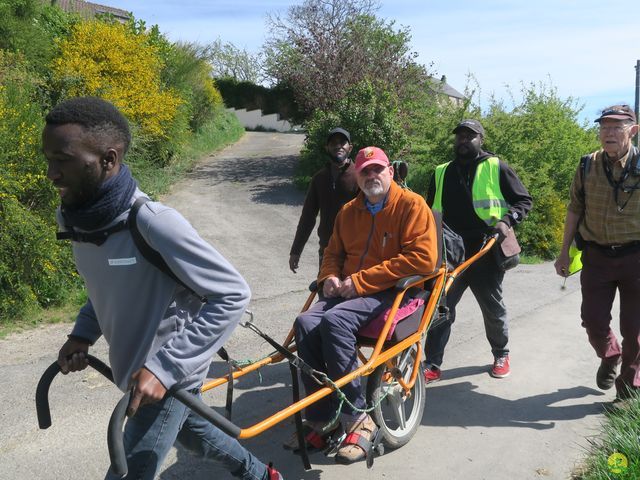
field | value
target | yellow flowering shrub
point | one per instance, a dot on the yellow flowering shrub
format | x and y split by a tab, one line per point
110	61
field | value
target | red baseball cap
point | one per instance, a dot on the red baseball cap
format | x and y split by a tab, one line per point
370	155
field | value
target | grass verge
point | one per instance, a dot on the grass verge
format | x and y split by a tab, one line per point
615	454
531	259
40	316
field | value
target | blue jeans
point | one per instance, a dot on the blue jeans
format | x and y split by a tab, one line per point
326	340
152	431
484	278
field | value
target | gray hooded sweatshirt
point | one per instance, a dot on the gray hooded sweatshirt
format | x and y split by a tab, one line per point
146	317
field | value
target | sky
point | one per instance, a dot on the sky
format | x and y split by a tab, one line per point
586	49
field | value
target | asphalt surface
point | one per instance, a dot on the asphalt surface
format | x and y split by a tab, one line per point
534	424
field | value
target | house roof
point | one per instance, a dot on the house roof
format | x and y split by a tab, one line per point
442	86
90	10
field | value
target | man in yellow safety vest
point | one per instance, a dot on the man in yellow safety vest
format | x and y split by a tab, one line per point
477	195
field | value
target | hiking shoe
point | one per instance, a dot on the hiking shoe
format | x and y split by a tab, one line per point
357	445
273	473
500	368
606	375
432	374
316	434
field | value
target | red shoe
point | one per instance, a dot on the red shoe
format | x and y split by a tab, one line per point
273	473
500	367
432	374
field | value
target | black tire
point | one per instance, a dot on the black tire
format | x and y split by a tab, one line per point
397	416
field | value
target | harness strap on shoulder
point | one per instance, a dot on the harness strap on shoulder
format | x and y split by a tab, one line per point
97	238
151	255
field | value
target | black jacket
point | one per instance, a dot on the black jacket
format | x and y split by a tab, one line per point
326	195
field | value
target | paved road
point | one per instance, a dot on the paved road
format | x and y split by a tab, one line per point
531	425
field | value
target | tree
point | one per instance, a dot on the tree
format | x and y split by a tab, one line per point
322	48
369	112
29	27
229	61
542	139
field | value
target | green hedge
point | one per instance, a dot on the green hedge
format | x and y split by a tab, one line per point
369	114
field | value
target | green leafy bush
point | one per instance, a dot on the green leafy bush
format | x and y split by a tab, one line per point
371	115
543	140
34	269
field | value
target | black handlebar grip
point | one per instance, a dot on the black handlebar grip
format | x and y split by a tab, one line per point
115	437
100	367
42	395
42	391
206	412
115	432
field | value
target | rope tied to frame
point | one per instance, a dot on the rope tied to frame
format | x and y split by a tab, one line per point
343	399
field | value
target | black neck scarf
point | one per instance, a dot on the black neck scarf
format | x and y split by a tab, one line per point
113	198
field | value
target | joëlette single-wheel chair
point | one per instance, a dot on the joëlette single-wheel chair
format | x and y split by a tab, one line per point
395	390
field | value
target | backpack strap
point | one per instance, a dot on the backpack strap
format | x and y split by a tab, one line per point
97	238
585	164
151	255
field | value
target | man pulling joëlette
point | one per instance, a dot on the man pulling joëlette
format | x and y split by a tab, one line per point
161	335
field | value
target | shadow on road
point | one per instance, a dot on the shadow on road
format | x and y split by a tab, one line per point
448	405
461	405
270	176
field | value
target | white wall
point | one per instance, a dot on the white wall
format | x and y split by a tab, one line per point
254	118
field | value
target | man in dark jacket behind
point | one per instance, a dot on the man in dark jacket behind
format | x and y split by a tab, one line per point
478	195
329	190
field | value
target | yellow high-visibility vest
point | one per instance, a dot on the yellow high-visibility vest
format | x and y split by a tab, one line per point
488	201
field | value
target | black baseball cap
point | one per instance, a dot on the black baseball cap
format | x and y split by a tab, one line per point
472	125
617	112
341	131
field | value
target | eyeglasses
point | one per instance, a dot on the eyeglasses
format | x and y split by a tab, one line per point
613	128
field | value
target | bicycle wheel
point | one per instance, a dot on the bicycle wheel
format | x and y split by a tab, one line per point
398	415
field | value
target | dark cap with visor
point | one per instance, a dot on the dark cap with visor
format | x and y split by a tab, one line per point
473	125
617	112
340	131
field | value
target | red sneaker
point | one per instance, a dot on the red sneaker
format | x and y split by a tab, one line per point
432	374
273	473
500	368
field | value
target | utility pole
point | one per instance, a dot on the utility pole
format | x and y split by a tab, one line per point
637	98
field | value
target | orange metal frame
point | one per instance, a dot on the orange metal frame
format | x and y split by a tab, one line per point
442	283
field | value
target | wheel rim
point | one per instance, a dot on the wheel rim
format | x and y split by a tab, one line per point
400	413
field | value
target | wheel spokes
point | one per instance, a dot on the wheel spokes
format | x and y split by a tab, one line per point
397	407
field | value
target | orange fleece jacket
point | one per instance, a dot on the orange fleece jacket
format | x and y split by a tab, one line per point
378	250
